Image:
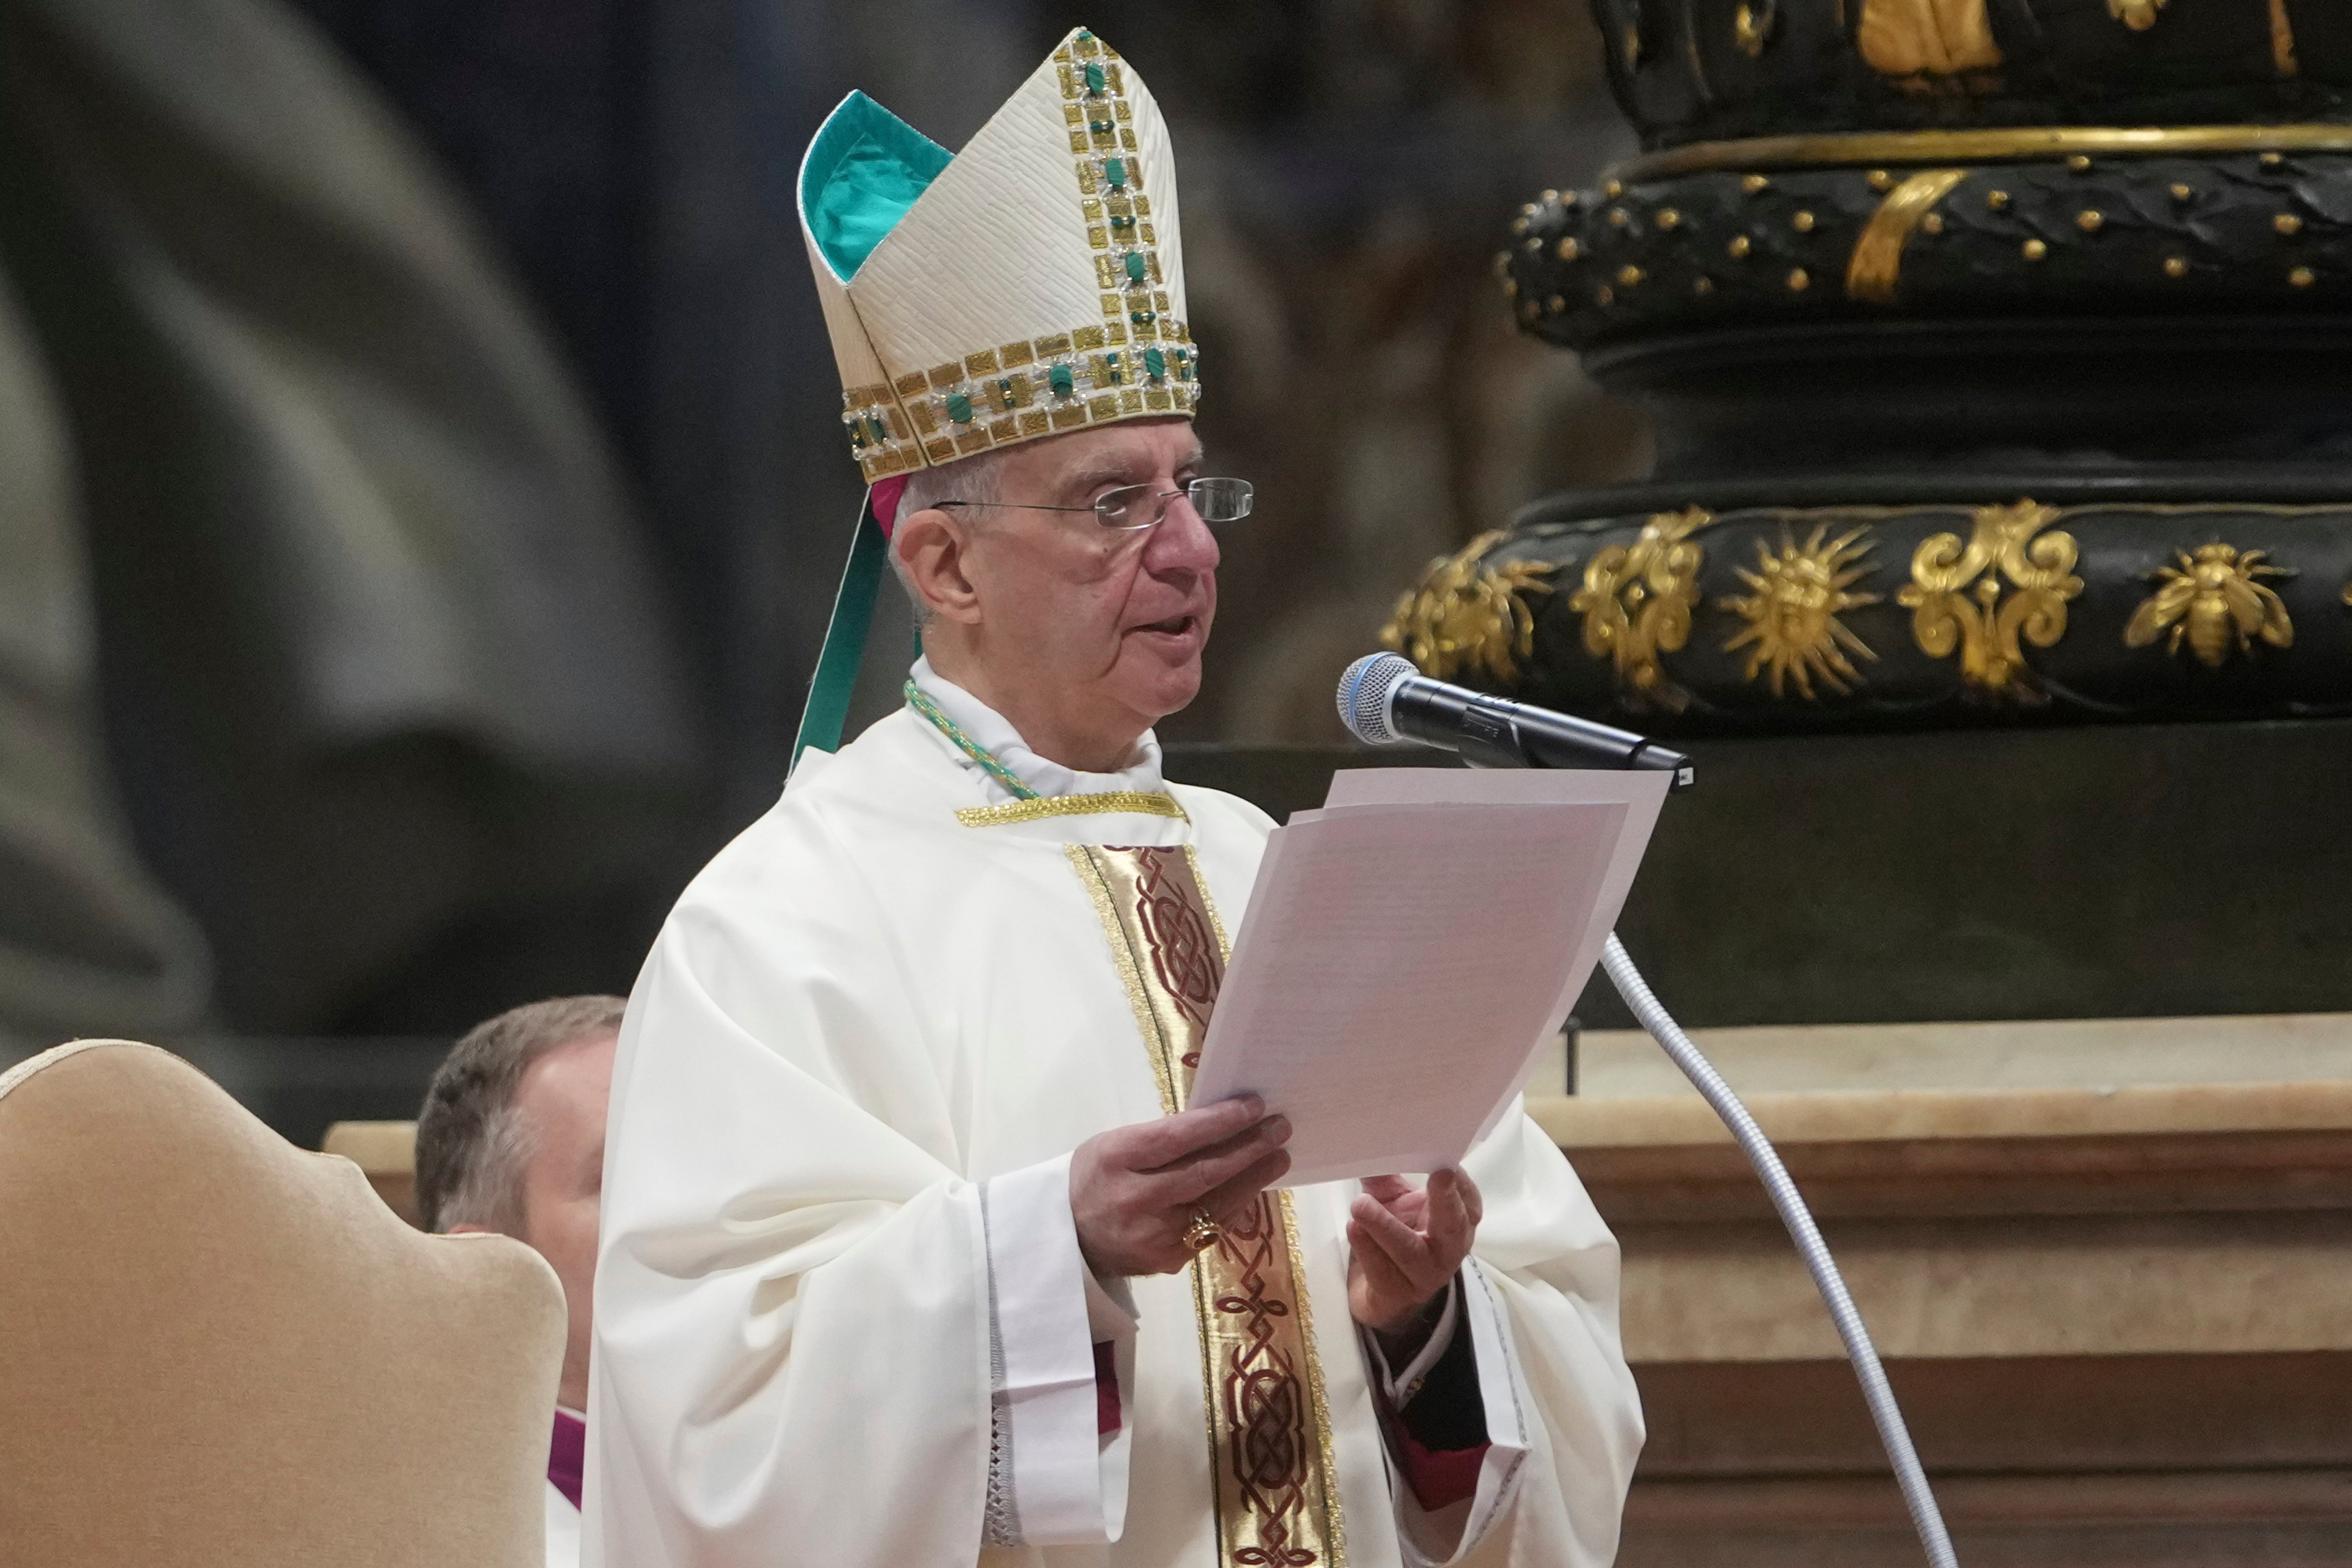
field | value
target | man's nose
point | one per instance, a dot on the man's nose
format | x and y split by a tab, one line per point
1181	541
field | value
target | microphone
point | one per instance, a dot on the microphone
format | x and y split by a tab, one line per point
1383	699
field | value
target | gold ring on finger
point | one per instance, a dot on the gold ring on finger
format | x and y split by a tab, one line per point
1204	1232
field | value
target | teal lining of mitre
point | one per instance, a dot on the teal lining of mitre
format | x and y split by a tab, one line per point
863	172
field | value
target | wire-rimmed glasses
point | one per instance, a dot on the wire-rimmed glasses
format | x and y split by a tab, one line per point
1125	508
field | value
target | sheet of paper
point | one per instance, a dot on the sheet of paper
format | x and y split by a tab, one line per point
1407	950
1642	794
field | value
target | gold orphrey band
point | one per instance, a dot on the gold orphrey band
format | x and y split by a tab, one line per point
1269	1430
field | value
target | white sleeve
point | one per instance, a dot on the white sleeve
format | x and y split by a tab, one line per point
1054	1478
1434	1537
1401	1387
1562	1409
791	1324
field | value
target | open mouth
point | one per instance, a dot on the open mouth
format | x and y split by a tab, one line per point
1174	626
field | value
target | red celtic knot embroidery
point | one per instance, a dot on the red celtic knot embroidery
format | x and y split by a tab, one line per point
1265	1398
1269	1461
1184	948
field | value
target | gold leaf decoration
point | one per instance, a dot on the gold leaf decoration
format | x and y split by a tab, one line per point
1466	615
1636	604
2139	16
2210	600
1875	268
1793	628
1956	602
1927	37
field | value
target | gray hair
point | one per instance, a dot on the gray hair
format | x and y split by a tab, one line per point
471	1143
974	478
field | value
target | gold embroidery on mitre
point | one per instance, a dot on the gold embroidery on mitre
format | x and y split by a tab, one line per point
1270	1427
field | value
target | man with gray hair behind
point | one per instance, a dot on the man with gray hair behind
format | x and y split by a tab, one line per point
511	1139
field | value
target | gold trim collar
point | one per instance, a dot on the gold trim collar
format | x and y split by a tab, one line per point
1137	802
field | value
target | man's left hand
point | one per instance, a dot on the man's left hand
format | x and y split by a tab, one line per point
1404	1243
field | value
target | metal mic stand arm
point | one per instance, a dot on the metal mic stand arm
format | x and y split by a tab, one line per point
1926	1517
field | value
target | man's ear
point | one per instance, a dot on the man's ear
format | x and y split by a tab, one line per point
932	547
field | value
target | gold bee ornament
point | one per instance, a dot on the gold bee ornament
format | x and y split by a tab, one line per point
2210	600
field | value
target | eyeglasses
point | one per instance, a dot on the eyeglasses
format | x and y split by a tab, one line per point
1131	509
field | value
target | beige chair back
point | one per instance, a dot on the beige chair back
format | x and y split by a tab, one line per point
216	1349
385	1152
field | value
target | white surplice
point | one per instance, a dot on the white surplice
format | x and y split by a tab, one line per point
842	1318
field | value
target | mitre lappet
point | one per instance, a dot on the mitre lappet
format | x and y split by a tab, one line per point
1030	285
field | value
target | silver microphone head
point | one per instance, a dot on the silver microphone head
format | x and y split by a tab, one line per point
1365	692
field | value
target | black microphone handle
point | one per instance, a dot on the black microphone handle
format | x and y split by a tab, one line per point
1489	731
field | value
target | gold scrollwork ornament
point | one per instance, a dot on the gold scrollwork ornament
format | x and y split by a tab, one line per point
1792	615
2210	599
1467	616
1636	604
1956	602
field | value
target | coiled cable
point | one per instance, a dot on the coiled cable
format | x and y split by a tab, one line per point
1926	1517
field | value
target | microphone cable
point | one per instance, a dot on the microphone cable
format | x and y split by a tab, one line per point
1893	1434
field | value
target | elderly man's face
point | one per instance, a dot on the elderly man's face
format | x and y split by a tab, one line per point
562	1099
1106	625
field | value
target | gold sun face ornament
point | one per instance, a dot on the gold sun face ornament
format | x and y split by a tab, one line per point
1466	615
1799	592
2210	600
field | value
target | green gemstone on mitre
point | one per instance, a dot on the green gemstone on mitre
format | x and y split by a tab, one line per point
1059	378
1155	364
1135	273
1095	80
959	408
1115	170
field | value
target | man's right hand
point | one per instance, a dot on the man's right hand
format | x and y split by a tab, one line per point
1134	1189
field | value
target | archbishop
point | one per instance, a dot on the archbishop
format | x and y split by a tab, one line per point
915	1255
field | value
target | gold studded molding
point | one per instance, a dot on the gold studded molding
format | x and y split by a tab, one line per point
2148	224
1853	617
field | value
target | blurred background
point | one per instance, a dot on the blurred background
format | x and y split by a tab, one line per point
421	488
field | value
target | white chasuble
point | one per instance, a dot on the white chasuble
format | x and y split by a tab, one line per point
842	1318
